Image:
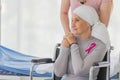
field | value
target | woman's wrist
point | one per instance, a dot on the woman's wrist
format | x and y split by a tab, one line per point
73	43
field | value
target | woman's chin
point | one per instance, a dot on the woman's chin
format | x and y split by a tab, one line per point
74	32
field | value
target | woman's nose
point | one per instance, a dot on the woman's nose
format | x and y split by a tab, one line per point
73	25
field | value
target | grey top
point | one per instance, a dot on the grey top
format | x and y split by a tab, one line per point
74	63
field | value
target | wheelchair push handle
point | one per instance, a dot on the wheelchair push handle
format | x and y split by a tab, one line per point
42	61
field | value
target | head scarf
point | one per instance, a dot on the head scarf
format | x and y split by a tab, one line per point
90	15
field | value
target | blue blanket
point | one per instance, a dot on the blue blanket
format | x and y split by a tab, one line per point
14	61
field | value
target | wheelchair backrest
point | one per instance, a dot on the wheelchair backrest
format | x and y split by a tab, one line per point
103	71
57	49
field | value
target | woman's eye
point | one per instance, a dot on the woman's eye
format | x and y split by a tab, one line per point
75	20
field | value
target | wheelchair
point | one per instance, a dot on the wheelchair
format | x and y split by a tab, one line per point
103	66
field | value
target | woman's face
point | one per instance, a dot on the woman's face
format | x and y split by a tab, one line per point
79	26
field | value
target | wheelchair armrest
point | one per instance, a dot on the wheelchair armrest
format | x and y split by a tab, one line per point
96	65
101	64
42	61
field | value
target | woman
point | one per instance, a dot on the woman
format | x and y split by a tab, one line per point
79	49
103	8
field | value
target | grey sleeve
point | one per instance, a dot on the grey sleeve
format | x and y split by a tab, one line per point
60	65
82	66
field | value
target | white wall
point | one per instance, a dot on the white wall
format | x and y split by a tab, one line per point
114	27
31	26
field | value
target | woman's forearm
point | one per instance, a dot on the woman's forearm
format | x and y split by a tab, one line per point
60	65
65	5
77	61
65	22
105	12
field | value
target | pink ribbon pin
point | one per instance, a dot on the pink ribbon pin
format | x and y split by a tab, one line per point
90	47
